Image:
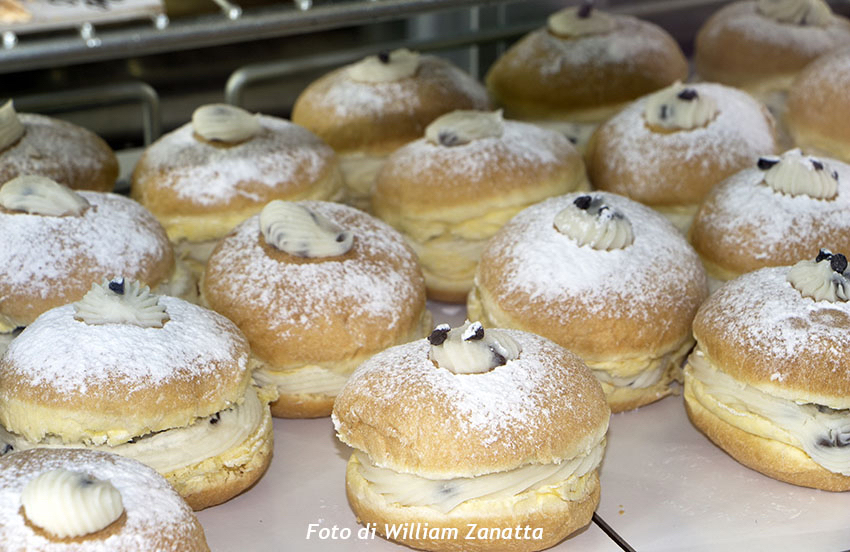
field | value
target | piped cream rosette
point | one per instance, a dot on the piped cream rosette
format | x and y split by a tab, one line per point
796	174
579	21
386	67
11	128
38	195
679	107
816	13
473	425
225	123
153	378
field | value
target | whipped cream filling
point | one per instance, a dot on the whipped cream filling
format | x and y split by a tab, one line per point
39	195
679	107
824	279
11	128
797	12
589	221
641	380
121	302
795	174
66	503
310	379
580	21
225	123
172	449
444	495
385	67
299	231
470	350
820	431
464	126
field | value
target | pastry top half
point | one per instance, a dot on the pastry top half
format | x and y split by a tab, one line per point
775	215
62	151
663	166
764	332
152	515
50	260
378	117
587	77
297	309
412	416
438	174
637	297
743	46
107	382
184	173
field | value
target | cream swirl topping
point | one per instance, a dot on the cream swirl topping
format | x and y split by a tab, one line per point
38	195
469	350
121	302
225	123
580	21
386	67
796	174
679	107
299	231
589	221
464	126
824	279
70	504
11	128
797	12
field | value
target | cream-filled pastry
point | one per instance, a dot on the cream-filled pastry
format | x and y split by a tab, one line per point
607	278
78	500
668	149
56	242
150	377
209	175
767	381
583	67
474	425
451	190
368	109
772	214
61	151
317	288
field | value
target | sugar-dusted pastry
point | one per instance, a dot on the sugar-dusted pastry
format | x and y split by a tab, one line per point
209	175
474	427
450	191
154	378
61	151
56	242
774	213
77	500
317	288
583	67
768	380
607	278
368	109
669	148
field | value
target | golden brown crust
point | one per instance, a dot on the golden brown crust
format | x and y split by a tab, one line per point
302	405
391	114
61	151
818	106
555	517
740	47
589	78
772	458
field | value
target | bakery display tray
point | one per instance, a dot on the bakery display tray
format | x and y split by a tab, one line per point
665	487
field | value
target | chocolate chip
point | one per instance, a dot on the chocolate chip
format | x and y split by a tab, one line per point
340	238
7	449
585	10
572	139
663	111
498	359
583	202
448	138
818	166
384	56
117	286
439	335
767	162
86	482
688	94
823	254
215	418
602	209
474	333
838	262
835	175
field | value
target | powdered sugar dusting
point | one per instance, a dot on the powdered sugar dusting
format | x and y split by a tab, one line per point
152	506
744	212
740	132
282	157
115	235
544	266
69	356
